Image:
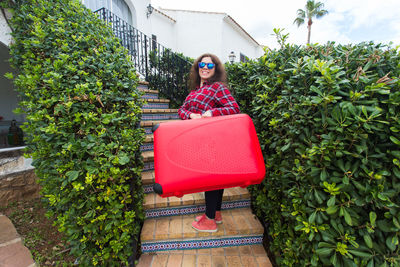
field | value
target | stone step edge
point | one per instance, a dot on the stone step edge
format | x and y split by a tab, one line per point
148	155
143	83
152	123
157	100
201	243
149	138
16	171
147	90
193	209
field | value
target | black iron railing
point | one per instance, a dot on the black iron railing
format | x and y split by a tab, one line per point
165	70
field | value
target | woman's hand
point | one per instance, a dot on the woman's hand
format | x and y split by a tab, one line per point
194	116
207	114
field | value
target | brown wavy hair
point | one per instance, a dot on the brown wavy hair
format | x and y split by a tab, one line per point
219	75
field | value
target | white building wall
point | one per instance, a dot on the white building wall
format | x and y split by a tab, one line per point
5	32
236	40
197	33
164	29
143	23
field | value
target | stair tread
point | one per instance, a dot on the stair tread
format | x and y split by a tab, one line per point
158	100
159	110
148	177
154	201
152	123
148	156
148	91
149	138
249	255
236	222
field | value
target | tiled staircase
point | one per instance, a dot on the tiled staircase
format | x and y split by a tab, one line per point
168	238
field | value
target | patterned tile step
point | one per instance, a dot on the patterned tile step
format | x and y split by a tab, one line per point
160	110
235	222
194	209
247	255
154	201
201	243
156	106
159	116
149	96
148	156
147	147
148	166
148	130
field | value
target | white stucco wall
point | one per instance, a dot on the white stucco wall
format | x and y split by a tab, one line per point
5	31
164	28
238	42
143	23
197	33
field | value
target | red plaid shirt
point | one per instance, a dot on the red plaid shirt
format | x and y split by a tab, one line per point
215	97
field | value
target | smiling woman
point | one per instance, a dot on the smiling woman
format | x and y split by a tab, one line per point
209	97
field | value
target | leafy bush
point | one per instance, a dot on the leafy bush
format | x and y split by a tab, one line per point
328	119
83	112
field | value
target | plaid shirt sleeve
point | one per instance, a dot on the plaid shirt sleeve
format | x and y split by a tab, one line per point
183	111
225	100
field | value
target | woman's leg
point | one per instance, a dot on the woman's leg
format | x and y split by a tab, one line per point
219	200
213	202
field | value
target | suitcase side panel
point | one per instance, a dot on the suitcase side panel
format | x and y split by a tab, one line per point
230	157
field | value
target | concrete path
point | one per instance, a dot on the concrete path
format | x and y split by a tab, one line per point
12	252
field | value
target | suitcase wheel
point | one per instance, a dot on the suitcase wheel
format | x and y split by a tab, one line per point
157	188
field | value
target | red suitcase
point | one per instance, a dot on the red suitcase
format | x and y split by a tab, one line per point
206	154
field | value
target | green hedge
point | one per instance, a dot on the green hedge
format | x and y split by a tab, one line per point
328	119
79	91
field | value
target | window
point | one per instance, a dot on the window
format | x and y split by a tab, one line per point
243	58
153	42
97	4
118	7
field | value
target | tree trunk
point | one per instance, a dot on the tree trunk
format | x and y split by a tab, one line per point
309	30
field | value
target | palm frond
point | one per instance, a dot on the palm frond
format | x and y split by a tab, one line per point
301	15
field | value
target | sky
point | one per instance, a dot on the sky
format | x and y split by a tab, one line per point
348	21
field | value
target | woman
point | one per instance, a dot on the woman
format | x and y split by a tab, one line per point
209	97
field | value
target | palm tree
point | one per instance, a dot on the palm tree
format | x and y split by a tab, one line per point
312	9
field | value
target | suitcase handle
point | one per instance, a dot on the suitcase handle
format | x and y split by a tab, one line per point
155	127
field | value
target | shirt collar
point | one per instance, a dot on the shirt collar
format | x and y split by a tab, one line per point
204	84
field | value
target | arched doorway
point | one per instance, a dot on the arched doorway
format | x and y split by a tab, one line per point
118	7
8	97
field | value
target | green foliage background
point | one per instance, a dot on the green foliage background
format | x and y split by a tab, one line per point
83	112
169	73
328	119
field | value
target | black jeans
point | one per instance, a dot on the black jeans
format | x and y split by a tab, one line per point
213	202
